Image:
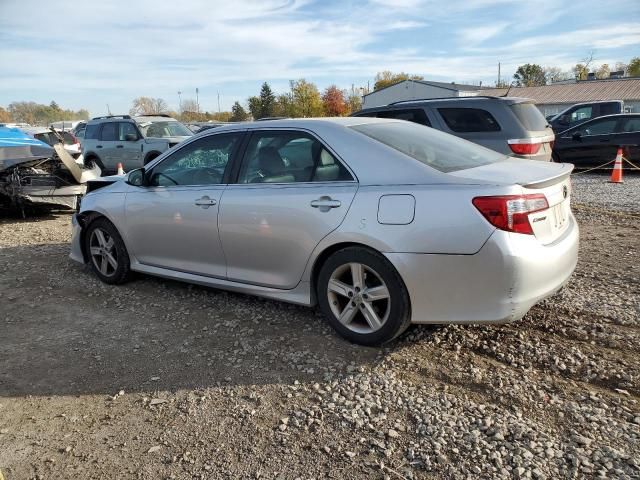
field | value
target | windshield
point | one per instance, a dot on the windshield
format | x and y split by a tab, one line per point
436	149
164	129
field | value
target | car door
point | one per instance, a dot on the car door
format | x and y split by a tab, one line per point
589	144
106	146
291	192
172	221
629	137
128	150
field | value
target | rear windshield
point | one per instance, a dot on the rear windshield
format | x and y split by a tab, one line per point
530	116
434	148
164	129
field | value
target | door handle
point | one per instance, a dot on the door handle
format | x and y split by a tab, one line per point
605	140
119	146
98	146
325	203
205	202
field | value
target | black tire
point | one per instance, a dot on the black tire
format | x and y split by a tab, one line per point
91	161
111	275
397	310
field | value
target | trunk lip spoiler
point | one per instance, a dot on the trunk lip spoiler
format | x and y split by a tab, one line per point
547	182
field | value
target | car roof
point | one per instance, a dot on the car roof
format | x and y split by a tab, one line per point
303	123
153	118
449	100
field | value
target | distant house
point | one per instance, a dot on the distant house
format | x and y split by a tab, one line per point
418	89
554	98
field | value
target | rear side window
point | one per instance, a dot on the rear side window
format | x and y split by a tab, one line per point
91	132
467	120
631	125
609	108
415	115
599	127
432	147
529	116
109	132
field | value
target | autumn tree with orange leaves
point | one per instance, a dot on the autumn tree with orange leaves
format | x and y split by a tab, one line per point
334	103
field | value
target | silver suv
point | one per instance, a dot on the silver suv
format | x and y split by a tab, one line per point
510	125
132	141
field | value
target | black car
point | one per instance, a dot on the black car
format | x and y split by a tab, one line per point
596	142
583	112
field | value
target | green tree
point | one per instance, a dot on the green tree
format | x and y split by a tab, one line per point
529	75
633	68
306	99
386	78
238	114
267	101
255	107
354	102
285	106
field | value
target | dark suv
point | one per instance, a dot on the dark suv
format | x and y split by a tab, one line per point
510	125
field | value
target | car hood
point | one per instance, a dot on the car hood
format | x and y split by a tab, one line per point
516	172
17	147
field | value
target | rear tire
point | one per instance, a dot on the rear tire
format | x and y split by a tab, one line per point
363	296
107	253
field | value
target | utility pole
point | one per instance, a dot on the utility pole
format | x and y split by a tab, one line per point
218	101
498	74
197	101
180	101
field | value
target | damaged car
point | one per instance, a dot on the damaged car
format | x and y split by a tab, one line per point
33	173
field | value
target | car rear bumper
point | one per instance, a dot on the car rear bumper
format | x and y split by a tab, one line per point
498	284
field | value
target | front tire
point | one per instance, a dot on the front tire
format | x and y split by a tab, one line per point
363	296
107	253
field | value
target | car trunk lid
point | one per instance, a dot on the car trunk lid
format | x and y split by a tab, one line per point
550	179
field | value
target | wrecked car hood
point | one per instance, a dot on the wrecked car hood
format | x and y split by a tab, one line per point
16	148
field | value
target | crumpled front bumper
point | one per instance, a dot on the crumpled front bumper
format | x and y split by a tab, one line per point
76	236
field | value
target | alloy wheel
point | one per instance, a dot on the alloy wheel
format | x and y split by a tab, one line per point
358	297
103	252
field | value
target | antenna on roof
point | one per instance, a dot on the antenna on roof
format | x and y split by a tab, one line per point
508	89
108	109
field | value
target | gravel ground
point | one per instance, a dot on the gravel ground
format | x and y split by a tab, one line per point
158	379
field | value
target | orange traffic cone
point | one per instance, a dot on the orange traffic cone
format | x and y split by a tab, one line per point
616	174
121	170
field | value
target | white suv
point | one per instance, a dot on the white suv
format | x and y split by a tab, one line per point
132	141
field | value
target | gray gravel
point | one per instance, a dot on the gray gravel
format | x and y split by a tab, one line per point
593	190
159	379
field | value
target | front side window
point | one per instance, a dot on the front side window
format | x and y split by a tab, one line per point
598	127
469	120
164	129
288	157
92	132
581	114
109	132
202	162
126	128
609	108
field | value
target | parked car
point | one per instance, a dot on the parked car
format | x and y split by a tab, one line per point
382	222
582	112
134	142
509	125
79	130
197	127
596	142
70	142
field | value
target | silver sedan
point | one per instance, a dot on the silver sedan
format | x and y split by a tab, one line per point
383	223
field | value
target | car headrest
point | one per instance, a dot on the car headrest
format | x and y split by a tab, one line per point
270	160
326	159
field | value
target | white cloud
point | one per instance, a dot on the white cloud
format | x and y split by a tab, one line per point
480	34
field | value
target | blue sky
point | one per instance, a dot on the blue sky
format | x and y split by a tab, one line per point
86	54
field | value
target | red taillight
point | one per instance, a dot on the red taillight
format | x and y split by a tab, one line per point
511	212
525	148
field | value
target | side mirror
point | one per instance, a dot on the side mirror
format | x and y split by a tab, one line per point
577	136
136	177
564	120
131	137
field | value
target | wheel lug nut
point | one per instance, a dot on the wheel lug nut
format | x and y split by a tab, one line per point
350	294
365	296
353	304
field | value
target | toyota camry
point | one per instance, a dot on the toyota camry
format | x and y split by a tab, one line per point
382	223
